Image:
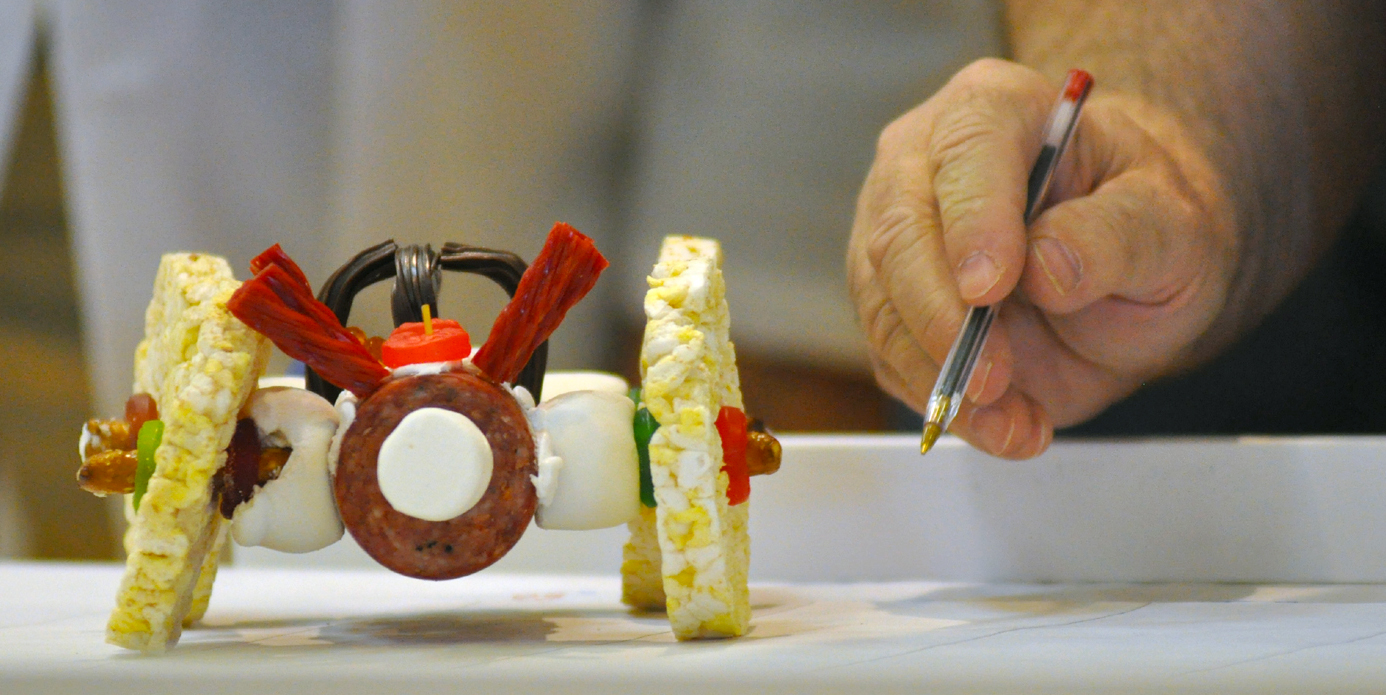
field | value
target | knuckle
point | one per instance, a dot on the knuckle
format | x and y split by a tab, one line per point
1111	229
961	130
1181	203
894	137
959	181
982	71
936	321
883	325
880	321
858	279
892	340
959	203
888	346
896	232
980	83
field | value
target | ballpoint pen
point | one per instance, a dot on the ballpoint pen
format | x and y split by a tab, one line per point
957	368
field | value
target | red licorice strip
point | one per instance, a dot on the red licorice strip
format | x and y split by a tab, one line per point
731	427
242	467
566	269
292	288
275	255
281	306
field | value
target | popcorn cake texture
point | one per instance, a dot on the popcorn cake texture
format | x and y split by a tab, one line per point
642	579
688	370
200	364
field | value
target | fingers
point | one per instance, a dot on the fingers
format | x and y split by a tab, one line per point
885	309
900	230
981	148
1014	427
939	226
903	367
901	364
940	217
1123	272
1069	386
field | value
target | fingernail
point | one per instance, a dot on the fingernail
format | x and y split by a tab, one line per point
978	385
1059	264
976	275
993	426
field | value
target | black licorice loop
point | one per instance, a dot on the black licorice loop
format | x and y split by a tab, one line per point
418	277
421	270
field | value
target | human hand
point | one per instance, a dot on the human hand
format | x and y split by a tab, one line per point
1114	283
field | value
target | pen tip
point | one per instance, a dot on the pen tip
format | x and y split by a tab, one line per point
932	431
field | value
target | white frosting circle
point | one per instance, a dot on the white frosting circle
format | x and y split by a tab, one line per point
435	466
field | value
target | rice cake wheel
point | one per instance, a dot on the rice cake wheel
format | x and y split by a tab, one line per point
201	364
688	373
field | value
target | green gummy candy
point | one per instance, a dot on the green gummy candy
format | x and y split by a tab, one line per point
645	426
151	433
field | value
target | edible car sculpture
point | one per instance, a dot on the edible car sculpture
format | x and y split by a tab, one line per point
434	456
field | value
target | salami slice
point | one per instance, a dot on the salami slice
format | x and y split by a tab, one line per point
464	544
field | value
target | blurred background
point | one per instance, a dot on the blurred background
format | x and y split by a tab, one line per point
131	129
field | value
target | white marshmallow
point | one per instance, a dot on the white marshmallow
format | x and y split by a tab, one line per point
296	512
559	383
599	484
296	382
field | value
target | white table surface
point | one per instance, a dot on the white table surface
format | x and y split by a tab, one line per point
1200	565
363	631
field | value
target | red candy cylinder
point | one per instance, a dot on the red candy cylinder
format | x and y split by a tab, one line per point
411	344
731	426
